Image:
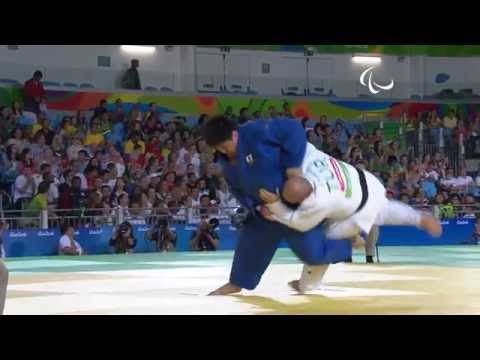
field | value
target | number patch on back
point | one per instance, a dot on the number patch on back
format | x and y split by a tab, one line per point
328	171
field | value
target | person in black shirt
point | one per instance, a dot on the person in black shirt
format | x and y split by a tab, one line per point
244	116
123	241
101	109
205	238
131	79
165	239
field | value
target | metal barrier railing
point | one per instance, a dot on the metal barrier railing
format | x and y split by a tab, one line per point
23	219
141	216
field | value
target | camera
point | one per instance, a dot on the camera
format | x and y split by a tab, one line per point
124	228
239	218
164	238
213	224
162	223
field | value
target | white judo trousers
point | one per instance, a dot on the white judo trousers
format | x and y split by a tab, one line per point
378	210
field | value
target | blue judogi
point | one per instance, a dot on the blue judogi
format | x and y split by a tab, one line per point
266	148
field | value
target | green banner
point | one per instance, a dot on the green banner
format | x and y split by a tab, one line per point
427	50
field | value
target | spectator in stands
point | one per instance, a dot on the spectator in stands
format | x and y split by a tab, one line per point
229	112
135	139
7	126
449	123
118	115
77	194
67	244
100	109
94	137
131	79
9	166
39	201
118	190
43	107
17	137
244	116
39	147
472	145
463	181
461	132
34	92
341	136
224	196
205	238
287	112
16	110
449	180
24	188
123	241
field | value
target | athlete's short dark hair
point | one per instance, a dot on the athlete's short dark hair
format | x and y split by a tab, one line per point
218	129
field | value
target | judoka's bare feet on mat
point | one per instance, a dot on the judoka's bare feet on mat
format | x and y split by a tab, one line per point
226	289
295	285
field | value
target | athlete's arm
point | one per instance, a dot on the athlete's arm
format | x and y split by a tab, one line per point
299	219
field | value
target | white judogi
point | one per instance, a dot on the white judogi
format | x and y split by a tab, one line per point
336	196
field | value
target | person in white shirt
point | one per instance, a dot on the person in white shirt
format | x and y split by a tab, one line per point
350	199
67	244
449	180
430	173
78	171
74	148
46	175
463	181
24	187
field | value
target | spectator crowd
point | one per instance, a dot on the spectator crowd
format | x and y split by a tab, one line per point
112	160
94	162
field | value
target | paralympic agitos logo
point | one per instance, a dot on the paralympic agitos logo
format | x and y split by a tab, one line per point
373	87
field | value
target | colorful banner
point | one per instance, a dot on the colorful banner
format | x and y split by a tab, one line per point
214	104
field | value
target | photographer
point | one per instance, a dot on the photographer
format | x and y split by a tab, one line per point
205	238
165	239
123	241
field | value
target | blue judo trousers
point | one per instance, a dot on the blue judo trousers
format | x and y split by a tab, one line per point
266	148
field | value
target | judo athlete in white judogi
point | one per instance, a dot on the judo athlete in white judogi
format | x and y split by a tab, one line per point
349	200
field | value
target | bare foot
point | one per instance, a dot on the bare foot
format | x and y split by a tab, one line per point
226	289
295	285
431	225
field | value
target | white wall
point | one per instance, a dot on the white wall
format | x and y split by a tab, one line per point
78	63
185	66
336	72
464	73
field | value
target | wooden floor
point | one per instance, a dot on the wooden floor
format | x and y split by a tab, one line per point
417	280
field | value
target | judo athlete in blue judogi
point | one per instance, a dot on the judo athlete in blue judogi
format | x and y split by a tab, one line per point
262	155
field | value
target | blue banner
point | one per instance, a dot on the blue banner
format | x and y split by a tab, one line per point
19	243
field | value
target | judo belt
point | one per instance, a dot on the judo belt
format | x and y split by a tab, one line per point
364	187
